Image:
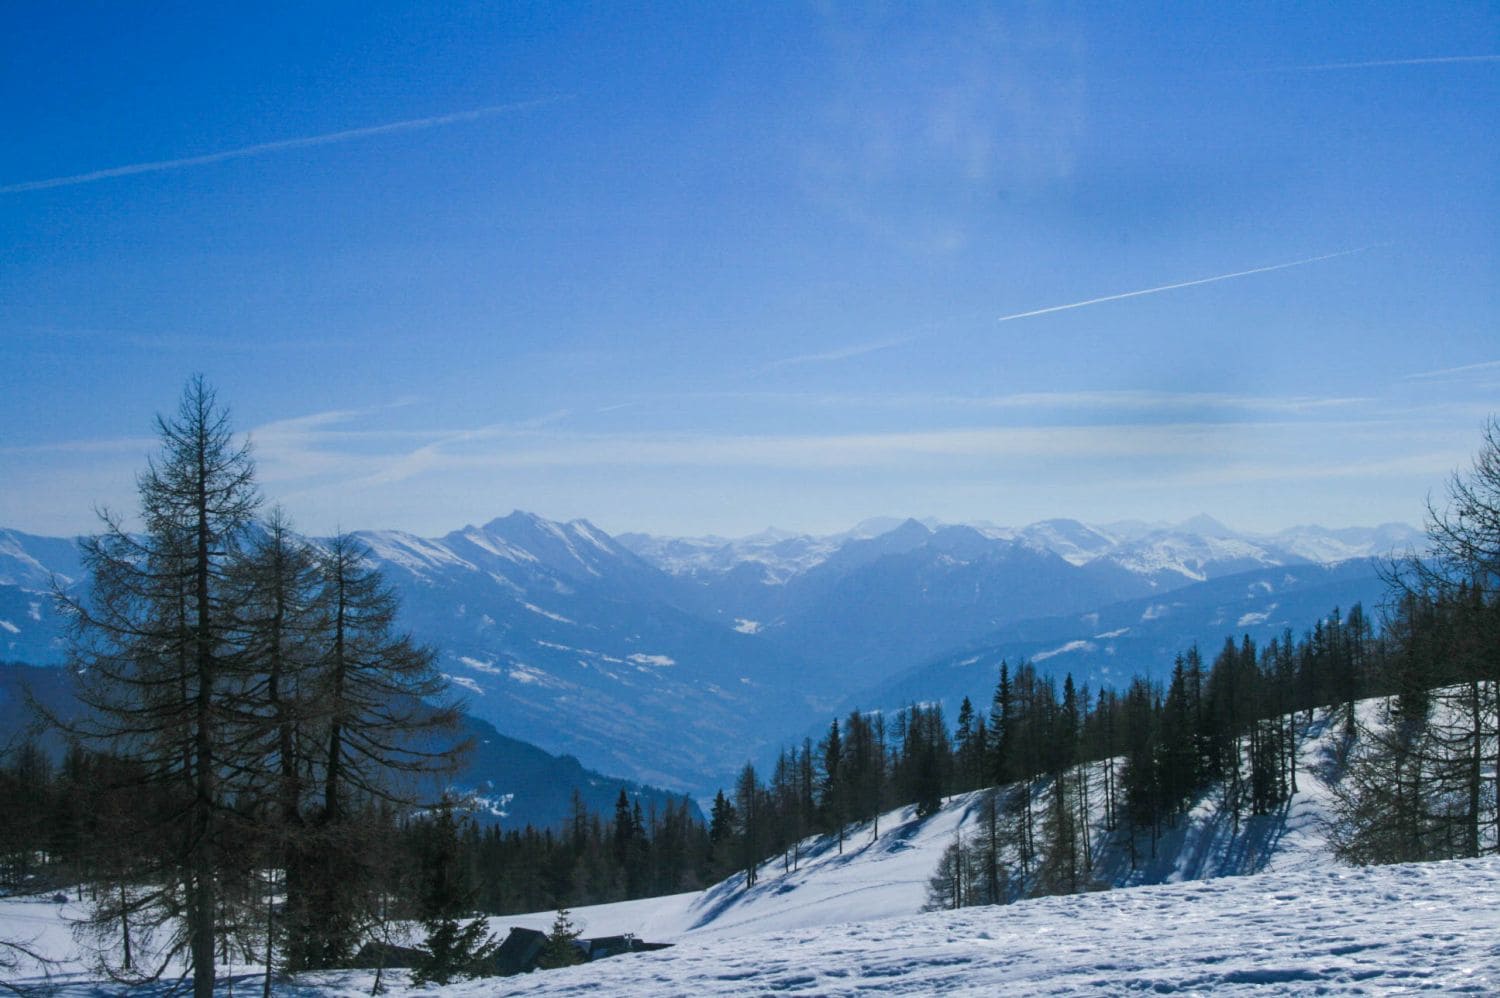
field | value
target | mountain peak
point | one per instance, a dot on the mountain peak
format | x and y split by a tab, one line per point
911	527
1207	526
515	518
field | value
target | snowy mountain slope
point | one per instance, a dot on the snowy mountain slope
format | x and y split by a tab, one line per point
887	877
560	636
30	562
873	605
880	605
1325	546
1075	542
779	553
30	630
1418	927
1167	555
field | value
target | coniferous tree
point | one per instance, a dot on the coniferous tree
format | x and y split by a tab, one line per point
750	805
1417	785
455	948
276	600
561	948
154	648
381	724
832	791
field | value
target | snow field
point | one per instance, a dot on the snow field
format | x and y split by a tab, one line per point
1423	927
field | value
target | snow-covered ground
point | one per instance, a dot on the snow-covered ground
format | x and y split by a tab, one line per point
1217	909
1423	927
1431	928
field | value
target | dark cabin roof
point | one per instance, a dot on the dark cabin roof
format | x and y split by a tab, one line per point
519	953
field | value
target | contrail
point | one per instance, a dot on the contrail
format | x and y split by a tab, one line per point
411	125
843	353
1488	365
1378	63
1184	284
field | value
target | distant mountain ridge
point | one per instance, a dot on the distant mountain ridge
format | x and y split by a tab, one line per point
1195	549
673	660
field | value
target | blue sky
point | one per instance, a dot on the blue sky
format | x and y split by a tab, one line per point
690	268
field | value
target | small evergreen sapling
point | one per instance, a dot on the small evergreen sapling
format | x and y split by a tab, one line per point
562	944
455	949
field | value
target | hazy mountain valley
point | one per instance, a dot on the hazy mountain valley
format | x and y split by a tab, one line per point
672	661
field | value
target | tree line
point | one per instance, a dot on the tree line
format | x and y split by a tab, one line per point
591	859
1055	755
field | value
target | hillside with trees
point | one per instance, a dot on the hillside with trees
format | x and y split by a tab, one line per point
1418	777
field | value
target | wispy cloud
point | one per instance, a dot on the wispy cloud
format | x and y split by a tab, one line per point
1105	401
318	445
1448	372
265	148
842	353
1437	60
1430	464
1141	400
114	445
1183	284
300	426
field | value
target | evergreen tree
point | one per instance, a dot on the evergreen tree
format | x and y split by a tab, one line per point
561	949
454	948
750	805
154	649
832	792
381	718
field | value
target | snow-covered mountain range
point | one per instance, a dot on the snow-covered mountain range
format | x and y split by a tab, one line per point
671	661
1167	554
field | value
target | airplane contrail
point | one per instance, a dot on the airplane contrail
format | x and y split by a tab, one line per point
1488	365
1183	284
410	125
1377	63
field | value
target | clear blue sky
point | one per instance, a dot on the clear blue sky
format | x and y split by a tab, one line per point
706	267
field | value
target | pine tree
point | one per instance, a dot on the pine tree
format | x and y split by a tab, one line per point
1417	786
561	949
380	719
279	614
832	791
749	803
454	948
154	648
